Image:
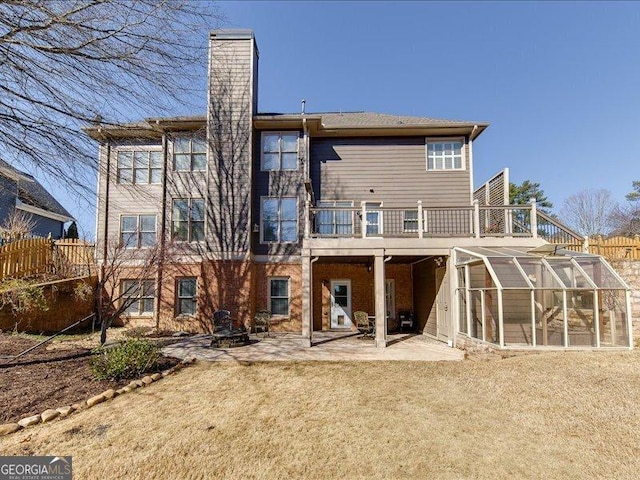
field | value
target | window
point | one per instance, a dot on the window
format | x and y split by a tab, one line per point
138	296
444	156
139	166
188	219
335	221
279	296
279	151
374	219
280	220
137	231
187	293
410	221
189	154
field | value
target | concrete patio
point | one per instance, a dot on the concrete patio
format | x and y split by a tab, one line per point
327	346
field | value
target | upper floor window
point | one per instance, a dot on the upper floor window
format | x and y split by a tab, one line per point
138	296
188	219
280	220
137	231
444	156
279	151
139	166
190	154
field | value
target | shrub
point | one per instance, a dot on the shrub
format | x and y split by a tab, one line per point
128	360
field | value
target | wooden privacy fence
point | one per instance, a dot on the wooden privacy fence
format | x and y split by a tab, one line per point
616	248
32	256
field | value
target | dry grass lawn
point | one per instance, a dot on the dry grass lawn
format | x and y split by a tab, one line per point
559	415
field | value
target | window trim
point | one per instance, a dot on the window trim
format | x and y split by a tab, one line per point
332	204
288	297
139	298
189	220
191	152
436	140
280	133
377	208
405	220
178	298
138	244
271	242
132	149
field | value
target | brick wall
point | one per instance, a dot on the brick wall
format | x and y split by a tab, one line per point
362	289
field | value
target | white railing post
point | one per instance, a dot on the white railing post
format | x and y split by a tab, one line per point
363	220
307	218
585	244
534	218
420	220
476	218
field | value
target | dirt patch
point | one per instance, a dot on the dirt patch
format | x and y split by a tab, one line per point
47	378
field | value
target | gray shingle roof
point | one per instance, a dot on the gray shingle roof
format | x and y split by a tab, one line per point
372	119
31	192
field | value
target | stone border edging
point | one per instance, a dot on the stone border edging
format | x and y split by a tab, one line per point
62	412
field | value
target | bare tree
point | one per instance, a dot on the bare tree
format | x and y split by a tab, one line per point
589	211
114	297
66	64
16	226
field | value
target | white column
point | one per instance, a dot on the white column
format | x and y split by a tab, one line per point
381	313
534	218
307	320
363	220
476	219
420	220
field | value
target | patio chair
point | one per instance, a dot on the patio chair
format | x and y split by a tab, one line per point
222	320
261	321
363	324
406	319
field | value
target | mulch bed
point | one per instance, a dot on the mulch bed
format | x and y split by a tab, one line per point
45	379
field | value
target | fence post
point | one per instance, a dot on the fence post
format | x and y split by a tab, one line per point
363	220
420	220
476	218
585	244
534	218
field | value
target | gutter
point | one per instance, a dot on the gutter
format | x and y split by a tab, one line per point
20	205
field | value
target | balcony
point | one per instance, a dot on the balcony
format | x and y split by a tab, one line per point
370	220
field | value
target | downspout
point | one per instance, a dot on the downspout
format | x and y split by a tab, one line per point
105	237
163	221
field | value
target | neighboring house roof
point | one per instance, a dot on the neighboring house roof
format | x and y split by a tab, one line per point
32	196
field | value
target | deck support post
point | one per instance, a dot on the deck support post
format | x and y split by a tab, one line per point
380	304
307	296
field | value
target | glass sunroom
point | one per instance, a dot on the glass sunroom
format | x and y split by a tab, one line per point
544	297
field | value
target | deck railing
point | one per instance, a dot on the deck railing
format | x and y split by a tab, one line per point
370	220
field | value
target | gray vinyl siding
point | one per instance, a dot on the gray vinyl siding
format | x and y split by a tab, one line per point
230	112
388	169
424	296
275	184
8	189
124	199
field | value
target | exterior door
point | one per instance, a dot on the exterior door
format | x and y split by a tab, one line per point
341	304
442	304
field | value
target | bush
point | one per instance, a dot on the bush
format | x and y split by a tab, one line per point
130	359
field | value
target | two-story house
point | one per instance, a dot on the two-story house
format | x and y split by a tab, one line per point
313	216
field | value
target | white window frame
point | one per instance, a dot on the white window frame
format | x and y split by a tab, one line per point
288	297
443	141
180	313
405	220
334	224
133	150
280	152
191	153
140	297
279	235
138	232
189	220
375	207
